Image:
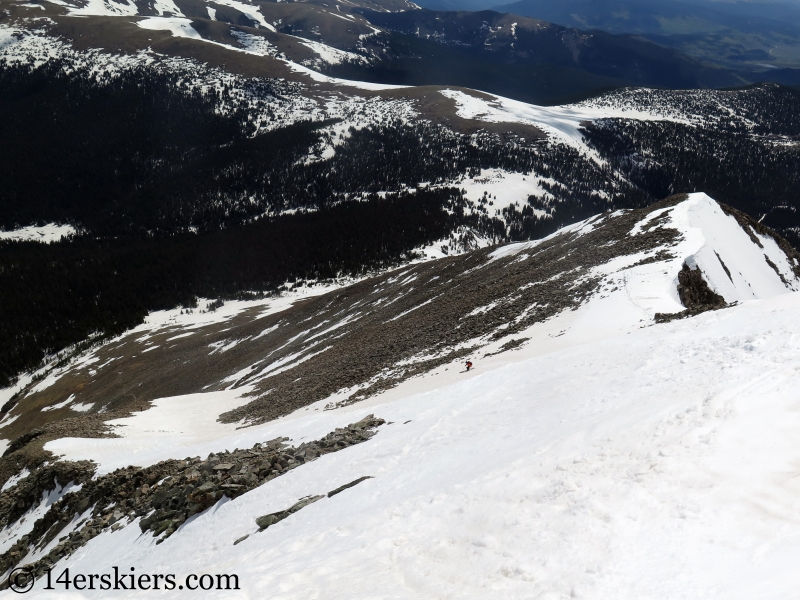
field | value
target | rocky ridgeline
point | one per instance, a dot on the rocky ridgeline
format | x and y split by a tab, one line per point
28	492
165	495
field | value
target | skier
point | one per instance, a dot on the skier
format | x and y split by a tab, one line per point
469	365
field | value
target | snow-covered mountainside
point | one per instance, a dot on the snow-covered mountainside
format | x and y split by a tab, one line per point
628	428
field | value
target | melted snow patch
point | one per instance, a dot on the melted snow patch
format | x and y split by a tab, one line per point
60	404
8	420
170	426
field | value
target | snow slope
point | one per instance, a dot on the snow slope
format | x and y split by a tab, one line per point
52	232
559	122
711	241
706	108
606	458
178	26
657	463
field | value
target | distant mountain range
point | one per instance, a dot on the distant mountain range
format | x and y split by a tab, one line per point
394	42
753	35
523	58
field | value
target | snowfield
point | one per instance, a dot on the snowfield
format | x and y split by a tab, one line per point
179	27
561	123
607	458
52	232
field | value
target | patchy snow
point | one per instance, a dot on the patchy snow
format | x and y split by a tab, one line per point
178	26
709	239
180	335
167	8
40	552
254	44
178	424
52	232
579	228
285	99
501	188
9	535
251	11
15	479
329	54
319	77
109	8
8	420
60	404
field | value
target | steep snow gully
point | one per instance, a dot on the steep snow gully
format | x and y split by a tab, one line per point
606	457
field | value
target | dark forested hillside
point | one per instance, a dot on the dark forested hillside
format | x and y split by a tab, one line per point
142	154
118	154
520	58
141	161
181	190
55	295
754	169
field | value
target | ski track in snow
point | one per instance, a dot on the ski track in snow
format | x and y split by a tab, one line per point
607	458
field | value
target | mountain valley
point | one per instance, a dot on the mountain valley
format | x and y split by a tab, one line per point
358	300
376	364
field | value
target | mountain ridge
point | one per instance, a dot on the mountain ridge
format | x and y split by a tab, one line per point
88	512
